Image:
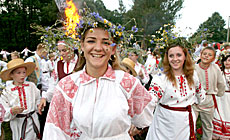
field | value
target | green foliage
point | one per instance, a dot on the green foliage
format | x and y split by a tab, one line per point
16	17
212	30
150	15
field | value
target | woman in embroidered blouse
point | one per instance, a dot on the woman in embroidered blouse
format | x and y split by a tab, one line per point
223	102
99	101
177	89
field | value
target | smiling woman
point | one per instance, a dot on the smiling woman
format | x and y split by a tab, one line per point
98	101
177	90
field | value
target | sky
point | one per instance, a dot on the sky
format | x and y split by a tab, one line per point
193	13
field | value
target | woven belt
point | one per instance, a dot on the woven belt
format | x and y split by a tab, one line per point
189	109
28	115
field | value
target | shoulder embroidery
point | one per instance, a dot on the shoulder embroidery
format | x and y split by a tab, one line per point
68	86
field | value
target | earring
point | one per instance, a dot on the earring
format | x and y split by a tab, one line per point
112	58
82	53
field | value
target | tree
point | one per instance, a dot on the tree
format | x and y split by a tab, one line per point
150	15
15	20
212	29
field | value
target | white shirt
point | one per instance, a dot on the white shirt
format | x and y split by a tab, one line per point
28	100
101	108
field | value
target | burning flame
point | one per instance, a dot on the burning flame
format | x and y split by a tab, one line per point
72	18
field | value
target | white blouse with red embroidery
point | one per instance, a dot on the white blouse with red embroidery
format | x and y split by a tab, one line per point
102	108
170	124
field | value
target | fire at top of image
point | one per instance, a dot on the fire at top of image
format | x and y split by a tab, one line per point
72	17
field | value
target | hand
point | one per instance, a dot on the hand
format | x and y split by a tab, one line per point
134	131
41	105
141	74
16	110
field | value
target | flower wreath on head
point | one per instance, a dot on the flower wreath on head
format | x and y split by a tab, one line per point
165	37
118	33
223	54
88	21
51	35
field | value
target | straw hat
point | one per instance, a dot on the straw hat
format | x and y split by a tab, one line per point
130	65
17	63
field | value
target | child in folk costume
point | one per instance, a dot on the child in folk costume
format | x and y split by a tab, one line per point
177	90
20	99
221	119
100	100
213	82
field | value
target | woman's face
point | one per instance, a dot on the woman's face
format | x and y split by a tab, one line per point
176	58
63	51
97	49
227	63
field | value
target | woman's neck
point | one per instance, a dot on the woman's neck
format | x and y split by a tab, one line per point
96	72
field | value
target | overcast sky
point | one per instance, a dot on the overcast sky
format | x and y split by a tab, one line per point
193	13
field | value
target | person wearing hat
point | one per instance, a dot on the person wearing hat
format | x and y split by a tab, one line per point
129	66
20	99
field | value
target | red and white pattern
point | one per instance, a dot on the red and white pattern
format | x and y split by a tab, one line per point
68	86
138	101
93	100
157	90
60	113
218	130
127	82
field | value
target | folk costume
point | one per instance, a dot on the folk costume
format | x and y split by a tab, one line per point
24	125
174	119
79	104
221	116
61	69
213	83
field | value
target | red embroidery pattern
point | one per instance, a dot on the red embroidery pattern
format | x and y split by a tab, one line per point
60	113
127	82
21	91
217	124
206	78
198	88
68	86
156	89
110	73
138	100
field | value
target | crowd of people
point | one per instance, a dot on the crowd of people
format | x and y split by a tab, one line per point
92	95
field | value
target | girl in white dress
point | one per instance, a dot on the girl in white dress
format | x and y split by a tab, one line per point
223	103
99	101
177	89
20	99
